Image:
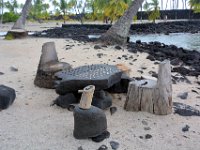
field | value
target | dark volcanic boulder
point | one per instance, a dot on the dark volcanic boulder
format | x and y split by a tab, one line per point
7	96
102	99
89	123
121	86
66	100
100	75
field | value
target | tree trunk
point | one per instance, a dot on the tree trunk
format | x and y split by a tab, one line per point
18	29
2	7
151	95
20	23
48	66
118	33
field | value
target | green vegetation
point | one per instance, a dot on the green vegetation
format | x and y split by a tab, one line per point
9	36
195	5
152	9
102	10
10	17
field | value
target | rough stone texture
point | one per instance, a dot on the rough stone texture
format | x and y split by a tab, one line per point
7	96
121	86
102	99
101	137
99	75
89	123
48	66
185	110
65	101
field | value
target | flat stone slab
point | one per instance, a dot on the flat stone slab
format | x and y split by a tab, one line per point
100	75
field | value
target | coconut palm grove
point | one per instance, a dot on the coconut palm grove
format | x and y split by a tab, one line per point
99	74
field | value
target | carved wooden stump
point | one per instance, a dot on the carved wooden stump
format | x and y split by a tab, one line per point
151	95
87	95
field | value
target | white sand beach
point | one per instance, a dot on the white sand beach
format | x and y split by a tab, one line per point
30	123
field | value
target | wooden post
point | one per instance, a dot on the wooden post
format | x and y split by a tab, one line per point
163	93
48	66
87	95
151	95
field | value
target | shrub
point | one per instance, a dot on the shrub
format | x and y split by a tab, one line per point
9	36
10	17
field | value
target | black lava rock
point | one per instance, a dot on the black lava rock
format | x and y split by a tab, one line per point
89	123
150	57
103	147
121	86
114	145
118	47
97	47
102	99
185	110
186	128
7	96
64	101
183	95
113	110
101	137
100	75
148	136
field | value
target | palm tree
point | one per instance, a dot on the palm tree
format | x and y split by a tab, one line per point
118	33
166	4
20	23
2	7
195	5
153	8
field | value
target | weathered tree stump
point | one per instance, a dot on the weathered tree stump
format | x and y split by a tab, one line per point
151	95
48	66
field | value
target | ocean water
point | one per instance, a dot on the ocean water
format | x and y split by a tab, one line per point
186	40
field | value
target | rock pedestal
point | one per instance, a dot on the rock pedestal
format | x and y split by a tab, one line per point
89	121
102	99
7	96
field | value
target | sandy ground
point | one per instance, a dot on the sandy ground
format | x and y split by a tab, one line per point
30	123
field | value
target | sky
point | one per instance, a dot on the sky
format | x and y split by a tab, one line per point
178	3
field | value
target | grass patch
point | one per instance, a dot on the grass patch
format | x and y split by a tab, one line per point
9	36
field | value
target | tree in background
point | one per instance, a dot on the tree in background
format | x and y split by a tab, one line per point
118	33
12	6
109	9
56	7
195	5
153	9
2	8
39	10
115	9
63	7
